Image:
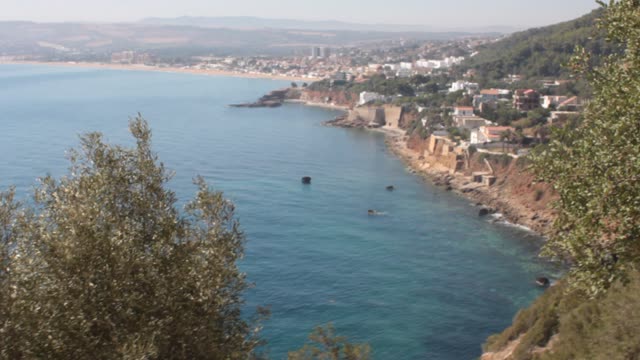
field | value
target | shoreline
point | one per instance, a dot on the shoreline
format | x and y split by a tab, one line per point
208	72
512	214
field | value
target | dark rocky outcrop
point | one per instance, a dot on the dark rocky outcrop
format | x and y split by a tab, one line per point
543	281
306	180
484	211
390	188
273	99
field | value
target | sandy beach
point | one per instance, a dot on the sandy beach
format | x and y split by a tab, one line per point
207	72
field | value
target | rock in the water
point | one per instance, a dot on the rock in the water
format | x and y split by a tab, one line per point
449	188
306	180
484	211
390	188
543	281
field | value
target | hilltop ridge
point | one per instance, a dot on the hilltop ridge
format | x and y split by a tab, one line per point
540	52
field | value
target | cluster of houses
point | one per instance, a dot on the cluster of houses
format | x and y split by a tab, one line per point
408	69
484	131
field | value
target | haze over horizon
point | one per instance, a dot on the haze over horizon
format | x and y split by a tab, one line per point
430	13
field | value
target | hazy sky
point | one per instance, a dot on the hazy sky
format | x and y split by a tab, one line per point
438	13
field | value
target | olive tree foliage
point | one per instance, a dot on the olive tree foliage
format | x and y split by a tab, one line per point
324	344
596	167
102	264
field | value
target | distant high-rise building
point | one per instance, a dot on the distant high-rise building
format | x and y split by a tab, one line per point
320	52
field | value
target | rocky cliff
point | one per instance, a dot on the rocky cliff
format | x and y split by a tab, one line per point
512	191
334	97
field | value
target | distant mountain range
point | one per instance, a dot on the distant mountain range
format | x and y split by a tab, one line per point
88	41
253	23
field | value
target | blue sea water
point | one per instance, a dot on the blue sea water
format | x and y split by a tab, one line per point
427	280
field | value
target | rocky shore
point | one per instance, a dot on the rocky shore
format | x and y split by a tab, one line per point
513	209
513	198
501	200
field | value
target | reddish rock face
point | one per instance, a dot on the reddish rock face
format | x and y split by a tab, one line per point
337	97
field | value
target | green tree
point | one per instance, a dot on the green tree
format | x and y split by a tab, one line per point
595	168
324	344
102	264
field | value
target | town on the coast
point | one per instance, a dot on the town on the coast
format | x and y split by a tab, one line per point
536	129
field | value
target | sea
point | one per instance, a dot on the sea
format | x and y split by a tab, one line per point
426	279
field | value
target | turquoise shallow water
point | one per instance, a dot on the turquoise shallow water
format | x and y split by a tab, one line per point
429	280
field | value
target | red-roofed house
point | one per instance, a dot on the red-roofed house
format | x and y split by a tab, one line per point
463	111
526	99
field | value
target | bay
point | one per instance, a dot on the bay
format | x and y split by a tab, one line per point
427	280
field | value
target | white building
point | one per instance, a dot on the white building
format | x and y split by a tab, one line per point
548	101
367	97
487	134
406	65
438	64
462	85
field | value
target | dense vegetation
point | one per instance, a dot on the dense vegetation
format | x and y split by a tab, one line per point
539	52
594	167
377	83
578	327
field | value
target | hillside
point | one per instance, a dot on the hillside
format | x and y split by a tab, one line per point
540	52
563	325
82	41
252	23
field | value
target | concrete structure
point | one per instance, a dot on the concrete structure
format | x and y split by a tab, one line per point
462	85
320	52
463	111
372	116
470	122
131	57
549	101
406	65
526	99
367	97
487	96
570	104
442	151
439	64
487	134
392	116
